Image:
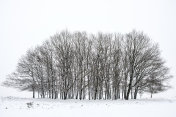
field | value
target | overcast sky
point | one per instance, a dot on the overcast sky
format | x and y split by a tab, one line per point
27	23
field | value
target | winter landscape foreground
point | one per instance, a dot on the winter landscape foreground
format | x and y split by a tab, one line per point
28	107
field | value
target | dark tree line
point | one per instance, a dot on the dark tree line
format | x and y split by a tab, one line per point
92	66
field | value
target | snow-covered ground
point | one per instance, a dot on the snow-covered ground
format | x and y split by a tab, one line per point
27	107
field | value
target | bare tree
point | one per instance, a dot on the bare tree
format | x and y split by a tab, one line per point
95	66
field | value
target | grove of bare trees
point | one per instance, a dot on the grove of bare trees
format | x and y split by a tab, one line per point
92	66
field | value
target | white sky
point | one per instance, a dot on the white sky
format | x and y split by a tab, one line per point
26	23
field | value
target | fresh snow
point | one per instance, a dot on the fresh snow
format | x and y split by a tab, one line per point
27	107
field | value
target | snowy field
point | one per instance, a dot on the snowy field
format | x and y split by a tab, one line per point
27	107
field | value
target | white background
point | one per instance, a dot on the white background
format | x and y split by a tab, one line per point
27	23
